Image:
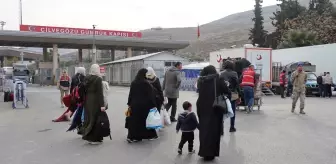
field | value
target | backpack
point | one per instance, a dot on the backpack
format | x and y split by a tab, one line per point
78	93
102	126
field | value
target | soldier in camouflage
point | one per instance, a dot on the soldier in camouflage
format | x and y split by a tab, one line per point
299	79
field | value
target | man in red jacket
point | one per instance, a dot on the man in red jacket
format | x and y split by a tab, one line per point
248	81
282	80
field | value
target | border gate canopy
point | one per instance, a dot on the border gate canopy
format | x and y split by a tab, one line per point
39	39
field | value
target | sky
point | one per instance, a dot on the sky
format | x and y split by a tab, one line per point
127	15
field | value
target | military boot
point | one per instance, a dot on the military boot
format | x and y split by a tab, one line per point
302	112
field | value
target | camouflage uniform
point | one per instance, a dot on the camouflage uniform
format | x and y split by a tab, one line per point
299	80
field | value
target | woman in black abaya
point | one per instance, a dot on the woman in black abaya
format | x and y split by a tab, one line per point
210	119
141	99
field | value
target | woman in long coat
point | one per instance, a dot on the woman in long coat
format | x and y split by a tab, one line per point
141	99
152	78
93	104
210	119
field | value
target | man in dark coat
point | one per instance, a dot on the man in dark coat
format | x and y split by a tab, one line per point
210	119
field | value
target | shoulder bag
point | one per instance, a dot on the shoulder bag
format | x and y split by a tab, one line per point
219	102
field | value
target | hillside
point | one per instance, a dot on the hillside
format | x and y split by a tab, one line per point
219	34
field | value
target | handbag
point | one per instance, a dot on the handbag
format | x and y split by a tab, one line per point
220	102
234	96
128	112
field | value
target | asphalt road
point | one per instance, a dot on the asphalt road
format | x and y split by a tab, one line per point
272	135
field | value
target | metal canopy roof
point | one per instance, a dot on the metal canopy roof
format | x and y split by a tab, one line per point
9	51
37	39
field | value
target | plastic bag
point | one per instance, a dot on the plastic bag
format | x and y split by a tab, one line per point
82	116
229	108
165	117
153	120
165	100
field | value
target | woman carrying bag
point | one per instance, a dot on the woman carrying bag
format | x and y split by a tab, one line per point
231	78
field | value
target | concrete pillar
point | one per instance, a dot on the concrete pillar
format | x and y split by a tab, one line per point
112	54
129	52
80	56
45	54
55	61
5	61
94	54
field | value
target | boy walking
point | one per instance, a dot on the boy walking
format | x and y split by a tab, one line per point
187	122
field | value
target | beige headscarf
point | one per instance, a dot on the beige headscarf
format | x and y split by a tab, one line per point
95	70
150	73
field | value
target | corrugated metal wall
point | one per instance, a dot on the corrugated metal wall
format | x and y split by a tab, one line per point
124	73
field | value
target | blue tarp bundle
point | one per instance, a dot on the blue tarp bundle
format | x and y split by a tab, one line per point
190	75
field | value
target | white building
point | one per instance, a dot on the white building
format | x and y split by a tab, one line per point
122	72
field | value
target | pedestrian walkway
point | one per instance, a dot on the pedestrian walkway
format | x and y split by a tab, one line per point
270	136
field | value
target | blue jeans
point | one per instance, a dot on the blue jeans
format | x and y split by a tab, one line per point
248	96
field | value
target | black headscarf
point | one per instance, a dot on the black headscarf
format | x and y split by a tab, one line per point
228	65
141	75
208	70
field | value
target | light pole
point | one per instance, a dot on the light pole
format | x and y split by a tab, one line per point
20	5
2	24
94	58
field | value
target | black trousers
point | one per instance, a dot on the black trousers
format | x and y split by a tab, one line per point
328	91
282	91
172	103
321	90
187	136
233	119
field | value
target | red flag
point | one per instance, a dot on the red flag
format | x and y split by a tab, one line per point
198	32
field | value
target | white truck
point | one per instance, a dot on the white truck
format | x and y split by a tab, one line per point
261	58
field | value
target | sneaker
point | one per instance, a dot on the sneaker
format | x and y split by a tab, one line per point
293	109
302	112
232	130
95	142
129	140
192	152
179	151
173	120
155	138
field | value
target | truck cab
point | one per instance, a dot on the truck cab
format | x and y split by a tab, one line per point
311	84
312	87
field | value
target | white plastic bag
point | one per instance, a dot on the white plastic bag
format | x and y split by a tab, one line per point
165	100
153	120
166	117
229	107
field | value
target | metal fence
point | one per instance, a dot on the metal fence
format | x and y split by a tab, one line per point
117	75
124	75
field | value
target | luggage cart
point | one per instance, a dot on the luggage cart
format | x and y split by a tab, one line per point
20	96
258	94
